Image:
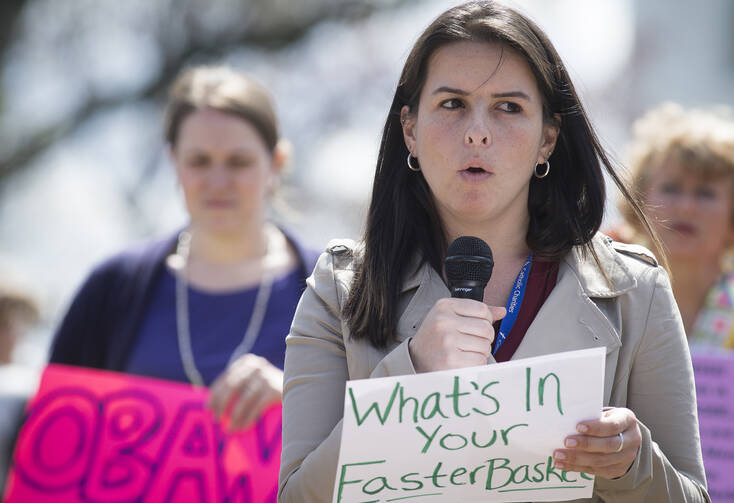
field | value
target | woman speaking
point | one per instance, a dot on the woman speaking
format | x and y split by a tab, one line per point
486	137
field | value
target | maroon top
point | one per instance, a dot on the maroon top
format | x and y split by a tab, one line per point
541	281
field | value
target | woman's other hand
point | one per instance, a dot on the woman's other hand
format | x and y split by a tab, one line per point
600	449
456	333
243	391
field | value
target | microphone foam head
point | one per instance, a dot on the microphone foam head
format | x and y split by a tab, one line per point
469	258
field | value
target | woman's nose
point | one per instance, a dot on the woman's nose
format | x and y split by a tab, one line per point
219	175
688	201
477	134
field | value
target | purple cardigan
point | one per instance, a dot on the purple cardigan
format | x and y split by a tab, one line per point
102	323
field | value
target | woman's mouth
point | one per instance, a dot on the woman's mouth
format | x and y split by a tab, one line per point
474	174
219	204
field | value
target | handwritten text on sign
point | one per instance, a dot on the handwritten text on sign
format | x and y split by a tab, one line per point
477	434
106	437
715	396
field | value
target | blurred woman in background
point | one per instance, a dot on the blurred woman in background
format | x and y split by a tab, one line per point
212	303
683	170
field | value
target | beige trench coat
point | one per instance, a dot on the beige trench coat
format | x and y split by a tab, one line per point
648	367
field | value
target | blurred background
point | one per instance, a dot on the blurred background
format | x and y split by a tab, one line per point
83	168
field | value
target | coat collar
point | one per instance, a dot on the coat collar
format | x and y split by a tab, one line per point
611	280
417	272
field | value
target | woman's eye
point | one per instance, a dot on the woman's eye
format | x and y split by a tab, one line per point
240	162
707	193
509	106
198	162
451	103
670	188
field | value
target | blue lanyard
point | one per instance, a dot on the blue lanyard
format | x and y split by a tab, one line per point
514	301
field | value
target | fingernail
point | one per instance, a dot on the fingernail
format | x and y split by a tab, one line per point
582	428
559	455
571	442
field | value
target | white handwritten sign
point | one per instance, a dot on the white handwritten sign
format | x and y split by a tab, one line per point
476	434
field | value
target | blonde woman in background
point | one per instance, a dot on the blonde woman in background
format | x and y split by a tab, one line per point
683	170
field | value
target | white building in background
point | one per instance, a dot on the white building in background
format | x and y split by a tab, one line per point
684	52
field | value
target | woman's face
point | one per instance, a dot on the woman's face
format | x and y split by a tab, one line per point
225	170
692	215
478	134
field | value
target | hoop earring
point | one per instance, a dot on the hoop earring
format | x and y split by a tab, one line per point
544	173
410	166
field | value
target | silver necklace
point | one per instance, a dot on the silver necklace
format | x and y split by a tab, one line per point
182	314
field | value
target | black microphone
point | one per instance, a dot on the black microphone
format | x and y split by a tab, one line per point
469	265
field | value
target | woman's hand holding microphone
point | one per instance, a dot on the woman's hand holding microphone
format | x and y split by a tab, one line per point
456	333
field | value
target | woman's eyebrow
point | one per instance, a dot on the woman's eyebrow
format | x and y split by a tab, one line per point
461	92
512	94
446	89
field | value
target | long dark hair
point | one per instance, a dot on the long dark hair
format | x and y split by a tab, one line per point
566	207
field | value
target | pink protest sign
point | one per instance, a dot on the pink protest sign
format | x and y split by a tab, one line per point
104	437
715	396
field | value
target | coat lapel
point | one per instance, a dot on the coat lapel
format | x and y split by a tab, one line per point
429	288
567	321
571	317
